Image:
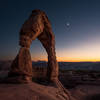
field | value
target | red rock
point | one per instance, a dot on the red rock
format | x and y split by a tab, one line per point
22	66
37	26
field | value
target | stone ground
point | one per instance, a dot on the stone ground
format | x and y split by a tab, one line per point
86	92
31	91
34	91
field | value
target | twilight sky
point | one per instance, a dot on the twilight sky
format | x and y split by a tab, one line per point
75	23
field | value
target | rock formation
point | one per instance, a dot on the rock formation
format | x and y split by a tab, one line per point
37	26
21	68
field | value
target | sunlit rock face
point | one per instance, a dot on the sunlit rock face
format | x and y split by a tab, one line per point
37	26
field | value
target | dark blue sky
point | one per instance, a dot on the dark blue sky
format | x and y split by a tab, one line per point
77	42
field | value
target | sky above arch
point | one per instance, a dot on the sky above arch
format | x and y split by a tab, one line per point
75	23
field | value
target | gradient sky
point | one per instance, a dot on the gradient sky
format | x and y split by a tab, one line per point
75	23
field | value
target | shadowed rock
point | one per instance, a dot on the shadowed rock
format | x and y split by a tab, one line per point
21	68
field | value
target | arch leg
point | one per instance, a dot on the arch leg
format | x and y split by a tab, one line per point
21	68
49	45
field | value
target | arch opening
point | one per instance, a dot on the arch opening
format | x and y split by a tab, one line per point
39	61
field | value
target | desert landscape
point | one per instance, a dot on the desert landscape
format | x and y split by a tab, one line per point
49	50
81	84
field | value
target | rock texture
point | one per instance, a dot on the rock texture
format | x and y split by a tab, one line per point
30	91
21	68
37	26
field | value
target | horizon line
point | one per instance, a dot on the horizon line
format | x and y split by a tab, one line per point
57	60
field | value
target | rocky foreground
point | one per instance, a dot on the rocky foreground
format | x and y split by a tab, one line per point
30	91
86	92
34	91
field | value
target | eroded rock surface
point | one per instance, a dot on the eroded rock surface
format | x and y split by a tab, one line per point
30	91
21	68
37	26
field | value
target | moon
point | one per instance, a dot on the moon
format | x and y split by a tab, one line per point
67	24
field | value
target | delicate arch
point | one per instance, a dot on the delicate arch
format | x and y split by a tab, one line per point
37	26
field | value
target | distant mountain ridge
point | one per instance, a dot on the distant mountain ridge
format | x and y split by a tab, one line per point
80	65
5	65
72	65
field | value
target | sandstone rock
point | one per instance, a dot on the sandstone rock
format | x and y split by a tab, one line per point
37	26
22	66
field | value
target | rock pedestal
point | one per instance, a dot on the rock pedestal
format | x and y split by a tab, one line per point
21	68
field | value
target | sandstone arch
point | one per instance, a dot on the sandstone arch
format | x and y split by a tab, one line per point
37	26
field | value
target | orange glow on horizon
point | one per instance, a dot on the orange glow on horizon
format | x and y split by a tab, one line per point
61	59
87	51
77	60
